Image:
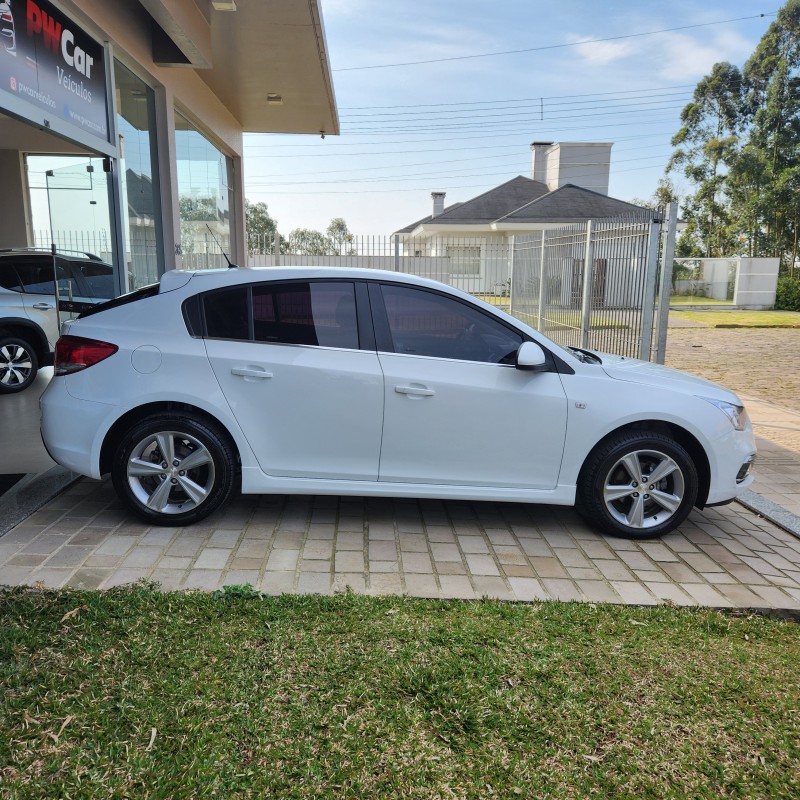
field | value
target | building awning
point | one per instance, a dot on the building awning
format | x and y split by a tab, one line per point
266	61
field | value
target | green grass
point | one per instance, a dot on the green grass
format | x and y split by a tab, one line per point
134	693
742	319
695	300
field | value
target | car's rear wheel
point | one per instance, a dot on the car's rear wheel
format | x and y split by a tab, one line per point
18	364
174	469
638	485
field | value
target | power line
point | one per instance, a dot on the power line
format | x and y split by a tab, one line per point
427	163
536	102
436	178
425	188
531	113
554	46
522	99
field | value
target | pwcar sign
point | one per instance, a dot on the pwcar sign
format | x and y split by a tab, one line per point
53	65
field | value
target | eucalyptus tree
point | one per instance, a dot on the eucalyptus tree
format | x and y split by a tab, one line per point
706	145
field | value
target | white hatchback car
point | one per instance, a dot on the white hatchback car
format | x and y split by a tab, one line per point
360	382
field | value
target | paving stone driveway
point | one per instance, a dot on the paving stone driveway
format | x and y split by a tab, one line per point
721	557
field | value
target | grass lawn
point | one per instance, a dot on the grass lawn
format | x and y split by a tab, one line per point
695	300
742	319
134	693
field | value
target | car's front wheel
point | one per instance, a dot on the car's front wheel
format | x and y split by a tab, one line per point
18	364
637	484
174	469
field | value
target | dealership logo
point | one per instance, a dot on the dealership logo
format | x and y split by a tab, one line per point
58	39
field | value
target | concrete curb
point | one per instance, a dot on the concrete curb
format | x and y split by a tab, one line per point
772	511
31	493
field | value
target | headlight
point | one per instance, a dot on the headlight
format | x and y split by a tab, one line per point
736	414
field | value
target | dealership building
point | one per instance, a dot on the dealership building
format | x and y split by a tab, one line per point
122	121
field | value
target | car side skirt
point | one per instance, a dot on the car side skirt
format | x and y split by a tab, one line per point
254	481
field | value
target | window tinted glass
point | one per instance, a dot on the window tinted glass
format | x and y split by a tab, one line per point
226	314
98	277
37	276
427	324
306	313
8	276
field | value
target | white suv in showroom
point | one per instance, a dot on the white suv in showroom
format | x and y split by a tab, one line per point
28	319
361	382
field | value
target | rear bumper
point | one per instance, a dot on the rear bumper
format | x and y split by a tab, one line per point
73	430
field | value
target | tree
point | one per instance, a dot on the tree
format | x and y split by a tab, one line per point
260	227
739	146
706	144
339	236
304	241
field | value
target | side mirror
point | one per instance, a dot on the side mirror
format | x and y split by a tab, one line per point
531	357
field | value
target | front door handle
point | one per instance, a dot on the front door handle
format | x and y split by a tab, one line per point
251	372
42	306
416	391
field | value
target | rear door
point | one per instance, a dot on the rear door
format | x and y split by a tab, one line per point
298	367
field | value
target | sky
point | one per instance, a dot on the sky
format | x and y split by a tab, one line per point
464	125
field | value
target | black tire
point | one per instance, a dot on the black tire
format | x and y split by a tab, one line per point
176	497
19	364
608	499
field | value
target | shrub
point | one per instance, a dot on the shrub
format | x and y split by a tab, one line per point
787	294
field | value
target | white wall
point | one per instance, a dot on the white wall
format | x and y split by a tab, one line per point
758	279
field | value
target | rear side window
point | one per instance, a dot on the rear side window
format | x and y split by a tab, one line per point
306	313
311	313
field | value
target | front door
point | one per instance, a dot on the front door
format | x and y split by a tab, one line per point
457	411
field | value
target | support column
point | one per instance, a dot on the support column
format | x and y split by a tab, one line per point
168	177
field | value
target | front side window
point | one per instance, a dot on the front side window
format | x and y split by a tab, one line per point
428	324
320	314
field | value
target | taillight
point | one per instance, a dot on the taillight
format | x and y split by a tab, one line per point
74	353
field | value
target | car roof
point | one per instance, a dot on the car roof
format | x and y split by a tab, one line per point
214	278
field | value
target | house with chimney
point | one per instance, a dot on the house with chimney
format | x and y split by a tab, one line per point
568	184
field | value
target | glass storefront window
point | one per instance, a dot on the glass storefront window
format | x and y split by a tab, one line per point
204	197
141	210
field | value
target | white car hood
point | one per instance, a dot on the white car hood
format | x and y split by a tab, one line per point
649	374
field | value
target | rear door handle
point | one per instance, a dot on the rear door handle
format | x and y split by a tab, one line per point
42	306
251	372
417	391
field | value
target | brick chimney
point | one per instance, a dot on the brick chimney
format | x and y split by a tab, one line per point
438	202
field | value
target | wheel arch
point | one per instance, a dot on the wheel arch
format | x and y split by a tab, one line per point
135	415
30	332
684	438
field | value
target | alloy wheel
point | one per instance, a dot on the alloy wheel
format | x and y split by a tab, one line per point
16	365
643	489
170	472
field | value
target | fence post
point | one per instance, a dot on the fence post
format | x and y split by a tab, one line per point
276	249
667	262
511	250
397	252
649	291
542	284
588	276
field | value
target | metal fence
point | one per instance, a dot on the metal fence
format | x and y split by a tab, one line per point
599	285
480	265
590	285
